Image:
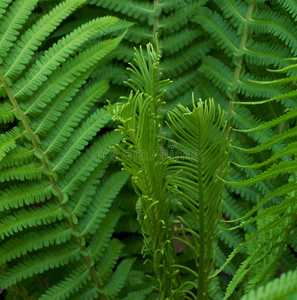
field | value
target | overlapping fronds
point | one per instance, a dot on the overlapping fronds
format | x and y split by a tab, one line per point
181	42
249	38
142	157
187	179
53	200
275	223
65	232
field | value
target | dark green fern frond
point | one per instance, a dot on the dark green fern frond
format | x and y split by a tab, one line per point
274	223
178	37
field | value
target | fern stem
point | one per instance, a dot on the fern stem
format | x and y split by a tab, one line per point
53	181
156	19
240	61
162	263
202	284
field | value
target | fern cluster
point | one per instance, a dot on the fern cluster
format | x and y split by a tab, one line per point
186	179
52	158
210	218
255	37
181	42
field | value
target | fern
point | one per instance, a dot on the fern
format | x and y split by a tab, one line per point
68	229
157	180
52	158
274	223
178	36
277	289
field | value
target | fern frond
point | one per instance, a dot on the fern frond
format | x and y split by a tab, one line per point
70	285
201	139
50	117
223	78
288	261
23	50
236	11
231	239
8	139
220	260
19	246
185	61
3	6
271	239
96	155
77	141
177	19
173	44
276	24
275	170
91	221
290	6
220	31
143	159
29	171
13	21
28	218
57	54
100	242
140	11
280	288
38	264
6	113
108	261
20	195
117	280
264	54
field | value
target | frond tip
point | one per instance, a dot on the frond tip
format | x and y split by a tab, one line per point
203	158
280	288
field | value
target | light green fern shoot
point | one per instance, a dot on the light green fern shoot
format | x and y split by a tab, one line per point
189	179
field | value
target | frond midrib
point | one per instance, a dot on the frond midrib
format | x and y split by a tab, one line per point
53	181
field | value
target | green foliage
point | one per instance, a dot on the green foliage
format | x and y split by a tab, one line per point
280	288
181	43
53	196
186	179
197	226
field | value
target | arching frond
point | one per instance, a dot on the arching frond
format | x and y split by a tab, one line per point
51	146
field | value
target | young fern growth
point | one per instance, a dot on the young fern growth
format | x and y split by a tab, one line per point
200	190
182	42
188	179
142	157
